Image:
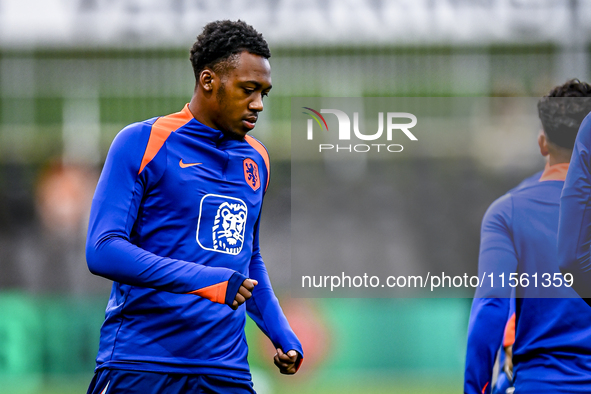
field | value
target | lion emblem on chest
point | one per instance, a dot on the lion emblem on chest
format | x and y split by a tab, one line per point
222	224
228	227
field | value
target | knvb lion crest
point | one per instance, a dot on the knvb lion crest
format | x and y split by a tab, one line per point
222	224
251	174
228	228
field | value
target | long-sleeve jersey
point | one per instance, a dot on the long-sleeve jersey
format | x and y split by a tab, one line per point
174	223
574	235
552	349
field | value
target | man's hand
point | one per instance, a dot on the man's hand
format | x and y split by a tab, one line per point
286	362
244	293
508	367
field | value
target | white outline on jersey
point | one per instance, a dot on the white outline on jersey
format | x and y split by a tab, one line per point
199	224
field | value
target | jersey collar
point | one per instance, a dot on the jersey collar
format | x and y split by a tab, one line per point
557	172
203	131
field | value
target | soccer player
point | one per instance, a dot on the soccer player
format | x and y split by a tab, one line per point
552	348
175	224
574	234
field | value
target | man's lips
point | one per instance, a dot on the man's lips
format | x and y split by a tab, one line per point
250	121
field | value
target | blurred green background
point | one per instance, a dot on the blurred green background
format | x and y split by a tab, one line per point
66	91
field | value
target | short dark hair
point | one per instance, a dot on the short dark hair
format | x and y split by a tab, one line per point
221	40
562	111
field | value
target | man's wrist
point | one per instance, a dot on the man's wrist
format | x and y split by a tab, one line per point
234	284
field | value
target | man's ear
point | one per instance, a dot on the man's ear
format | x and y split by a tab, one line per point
543	143
206	78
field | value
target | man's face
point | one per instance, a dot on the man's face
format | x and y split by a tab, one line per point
240	95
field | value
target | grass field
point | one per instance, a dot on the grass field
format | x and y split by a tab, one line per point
354	383
416	347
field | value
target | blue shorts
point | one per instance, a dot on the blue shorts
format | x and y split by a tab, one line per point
118	381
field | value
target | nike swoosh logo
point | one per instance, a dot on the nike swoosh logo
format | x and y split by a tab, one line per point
185	165
106	387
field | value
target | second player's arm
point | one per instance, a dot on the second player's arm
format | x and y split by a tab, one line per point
574	233
490	308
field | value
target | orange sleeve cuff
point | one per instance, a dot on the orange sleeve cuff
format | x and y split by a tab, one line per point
215	293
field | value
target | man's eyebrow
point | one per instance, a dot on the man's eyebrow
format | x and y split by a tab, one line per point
257	84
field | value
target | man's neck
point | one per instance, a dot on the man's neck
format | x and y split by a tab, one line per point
197	111
553	160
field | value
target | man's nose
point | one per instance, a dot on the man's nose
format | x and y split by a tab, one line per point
256	104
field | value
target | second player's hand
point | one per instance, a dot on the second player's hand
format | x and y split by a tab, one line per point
244	292
508	367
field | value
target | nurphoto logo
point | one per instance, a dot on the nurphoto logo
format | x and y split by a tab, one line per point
344	130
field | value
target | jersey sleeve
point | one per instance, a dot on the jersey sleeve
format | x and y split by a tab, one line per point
490	308
109	251
263	307
574	232
509	336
